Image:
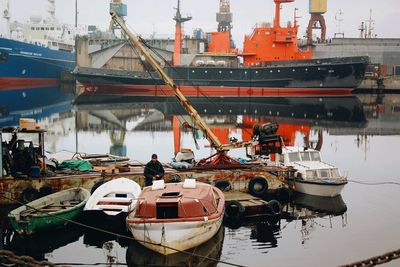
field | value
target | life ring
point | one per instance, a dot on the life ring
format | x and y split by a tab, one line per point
274	207
283	194
233	209
223	185
175	178
258	186
29	194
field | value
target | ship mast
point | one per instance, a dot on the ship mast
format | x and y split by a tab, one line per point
6	16
178	34
52	10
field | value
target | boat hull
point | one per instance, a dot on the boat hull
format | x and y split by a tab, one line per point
319	188
336	76
47	220
24	65
171	237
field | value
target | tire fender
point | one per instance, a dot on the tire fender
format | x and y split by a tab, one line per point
258	186
233	209
223	185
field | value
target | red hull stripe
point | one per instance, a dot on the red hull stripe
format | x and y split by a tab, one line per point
210	91
10	83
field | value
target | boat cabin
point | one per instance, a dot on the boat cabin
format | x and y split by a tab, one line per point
177	201
19	155
308	163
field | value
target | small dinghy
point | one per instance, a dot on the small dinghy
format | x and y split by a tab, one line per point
49	212
109	202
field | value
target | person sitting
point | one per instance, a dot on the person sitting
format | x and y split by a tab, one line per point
153	170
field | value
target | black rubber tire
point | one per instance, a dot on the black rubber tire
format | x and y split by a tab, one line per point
258	186
223	185
232	223
29	194
274	207
283	194
233	209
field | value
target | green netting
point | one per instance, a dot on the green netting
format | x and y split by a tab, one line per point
76	165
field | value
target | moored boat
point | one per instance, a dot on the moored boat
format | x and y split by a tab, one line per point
109	203
312	176
174	217
49	212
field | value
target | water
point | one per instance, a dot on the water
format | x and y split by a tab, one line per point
360	135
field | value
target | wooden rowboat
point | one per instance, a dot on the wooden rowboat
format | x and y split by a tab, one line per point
49	212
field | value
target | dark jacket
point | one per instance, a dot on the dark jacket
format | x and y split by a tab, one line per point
152	169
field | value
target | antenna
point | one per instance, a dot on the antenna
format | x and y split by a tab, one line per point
371	26
339	19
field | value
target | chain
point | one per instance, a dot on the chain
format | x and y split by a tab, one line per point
8	258
376	260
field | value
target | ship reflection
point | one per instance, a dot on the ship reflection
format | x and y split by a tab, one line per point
36	103
138	255
40	244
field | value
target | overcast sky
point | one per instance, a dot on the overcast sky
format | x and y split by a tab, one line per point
147	16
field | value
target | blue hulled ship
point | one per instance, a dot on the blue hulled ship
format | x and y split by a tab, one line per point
33	54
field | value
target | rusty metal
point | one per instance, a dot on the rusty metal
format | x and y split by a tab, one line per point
377	260
8	258
238	175
314	20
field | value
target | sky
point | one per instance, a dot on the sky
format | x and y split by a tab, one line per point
155	16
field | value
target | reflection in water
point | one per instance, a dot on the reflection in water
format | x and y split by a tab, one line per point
309	210
40	244
138	255
37	103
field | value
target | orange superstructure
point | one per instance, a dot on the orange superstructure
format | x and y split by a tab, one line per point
274	43
220	42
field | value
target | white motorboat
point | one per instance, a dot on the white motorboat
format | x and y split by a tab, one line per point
312	176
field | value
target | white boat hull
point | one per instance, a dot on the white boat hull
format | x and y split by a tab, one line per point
319	189
171	237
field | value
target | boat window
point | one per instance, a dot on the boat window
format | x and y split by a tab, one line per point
3	57
324	173
294	157
335	173
305	156
315	156
121	195
170	194
167	210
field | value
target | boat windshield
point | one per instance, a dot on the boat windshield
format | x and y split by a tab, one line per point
305	156
315	156
294	156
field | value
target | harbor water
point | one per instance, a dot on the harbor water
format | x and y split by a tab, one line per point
359	134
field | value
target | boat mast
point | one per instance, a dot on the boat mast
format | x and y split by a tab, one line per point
178	34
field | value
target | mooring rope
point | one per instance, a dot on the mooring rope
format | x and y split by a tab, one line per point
374	183
120	235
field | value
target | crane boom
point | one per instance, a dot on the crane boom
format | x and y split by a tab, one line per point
211	137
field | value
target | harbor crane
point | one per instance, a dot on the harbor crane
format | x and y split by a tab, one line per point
264	141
